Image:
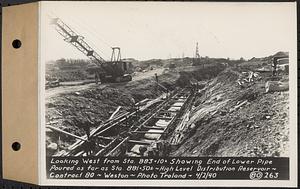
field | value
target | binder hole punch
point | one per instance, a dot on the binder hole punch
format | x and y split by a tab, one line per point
16	146
16	43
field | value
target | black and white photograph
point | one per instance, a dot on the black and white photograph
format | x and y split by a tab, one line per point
181	87
167	79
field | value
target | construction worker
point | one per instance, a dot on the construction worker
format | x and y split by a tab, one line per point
156	77
151	152
123	149
142	150
87	124
155	152
160	147
96	78
90	146
274	65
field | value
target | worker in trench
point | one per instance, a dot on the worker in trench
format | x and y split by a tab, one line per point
274	66
90	146
86	124
97	77
143	150
156	80
164	148
161	149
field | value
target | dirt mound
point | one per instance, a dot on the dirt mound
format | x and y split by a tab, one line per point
281	53
96	104
81	111
199	74
67	70
233	121
228	76
68	75
140	90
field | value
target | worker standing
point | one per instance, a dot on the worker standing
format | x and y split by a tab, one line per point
274	65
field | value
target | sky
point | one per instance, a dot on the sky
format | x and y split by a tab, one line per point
160	30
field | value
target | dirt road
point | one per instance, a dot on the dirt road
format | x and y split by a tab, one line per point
68	89
49	93
148	74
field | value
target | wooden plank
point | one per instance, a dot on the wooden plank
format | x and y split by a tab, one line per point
106	138
139	142
115	112
147	132
65	132
153	127
161	117
117	147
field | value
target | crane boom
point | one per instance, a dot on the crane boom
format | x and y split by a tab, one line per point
105	71
77	41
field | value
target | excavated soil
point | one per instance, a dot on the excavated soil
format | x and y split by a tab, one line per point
73	111
233	120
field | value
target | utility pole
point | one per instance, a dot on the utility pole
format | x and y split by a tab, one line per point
197	56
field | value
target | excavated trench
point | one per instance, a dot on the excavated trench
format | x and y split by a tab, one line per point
77	112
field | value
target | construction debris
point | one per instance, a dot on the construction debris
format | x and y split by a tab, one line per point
273	86
247	79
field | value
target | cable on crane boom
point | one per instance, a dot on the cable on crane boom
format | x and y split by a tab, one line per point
77	41
90	29
105	71
93	35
